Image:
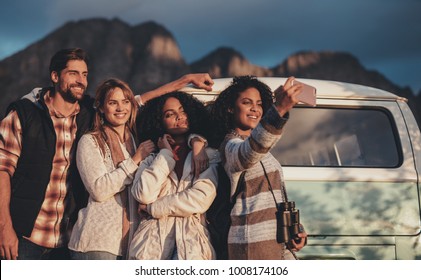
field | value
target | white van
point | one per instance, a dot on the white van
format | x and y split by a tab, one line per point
352	165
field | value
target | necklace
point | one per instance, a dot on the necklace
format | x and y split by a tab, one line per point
236	134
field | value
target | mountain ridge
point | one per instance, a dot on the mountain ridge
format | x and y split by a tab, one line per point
147	55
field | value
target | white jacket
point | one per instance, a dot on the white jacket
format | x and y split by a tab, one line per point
177	208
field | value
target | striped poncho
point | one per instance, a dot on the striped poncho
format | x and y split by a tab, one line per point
253	230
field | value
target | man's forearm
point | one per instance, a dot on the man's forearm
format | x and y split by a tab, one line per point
5	193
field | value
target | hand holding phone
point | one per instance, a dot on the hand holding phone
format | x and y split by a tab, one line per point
307	95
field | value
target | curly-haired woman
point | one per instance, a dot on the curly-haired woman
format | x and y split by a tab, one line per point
172	200
247	124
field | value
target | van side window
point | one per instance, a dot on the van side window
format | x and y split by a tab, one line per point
339	137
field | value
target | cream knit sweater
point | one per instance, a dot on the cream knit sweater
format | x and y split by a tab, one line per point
99	225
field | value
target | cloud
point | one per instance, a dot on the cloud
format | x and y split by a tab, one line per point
62	11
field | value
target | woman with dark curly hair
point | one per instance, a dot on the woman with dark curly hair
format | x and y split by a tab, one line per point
248	121
150	124
172	200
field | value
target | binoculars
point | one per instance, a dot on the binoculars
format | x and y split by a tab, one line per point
288	222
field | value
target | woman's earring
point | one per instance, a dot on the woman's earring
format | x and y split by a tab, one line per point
101	119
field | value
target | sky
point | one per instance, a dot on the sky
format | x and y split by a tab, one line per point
384	35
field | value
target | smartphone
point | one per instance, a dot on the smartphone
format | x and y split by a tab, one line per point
308	95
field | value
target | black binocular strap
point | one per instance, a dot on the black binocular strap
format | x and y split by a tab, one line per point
276	204
271	189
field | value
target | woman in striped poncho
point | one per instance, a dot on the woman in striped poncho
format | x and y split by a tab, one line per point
248	124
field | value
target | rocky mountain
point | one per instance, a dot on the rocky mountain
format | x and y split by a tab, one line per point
227	62
343	67
147	55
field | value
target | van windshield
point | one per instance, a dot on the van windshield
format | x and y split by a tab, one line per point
345	137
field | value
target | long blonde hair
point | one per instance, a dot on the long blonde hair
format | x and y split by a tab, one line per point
102	95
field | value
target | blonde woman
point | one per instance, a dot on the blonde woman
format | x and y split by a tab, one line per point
107	159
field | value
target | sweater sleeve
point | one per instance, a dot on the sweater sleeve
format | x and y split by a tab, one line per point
99	182
192	200
241	155
152	173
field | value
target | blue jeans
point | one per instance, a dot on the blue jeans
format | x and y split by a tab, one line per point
31	251
93	255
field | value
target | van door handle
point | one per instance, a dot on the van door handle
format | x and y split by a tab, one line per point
317	237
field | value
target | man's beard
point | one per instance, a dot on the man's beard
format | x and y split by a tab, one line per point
72	97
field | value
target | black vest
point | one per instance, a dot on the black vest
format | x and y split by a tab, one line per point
32	175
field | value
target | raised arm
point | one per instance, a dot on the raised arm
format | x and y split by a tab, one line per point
241	155
200	80
286	96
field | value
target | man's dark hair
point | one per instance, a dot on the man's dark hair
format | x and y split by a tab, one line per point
59	60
